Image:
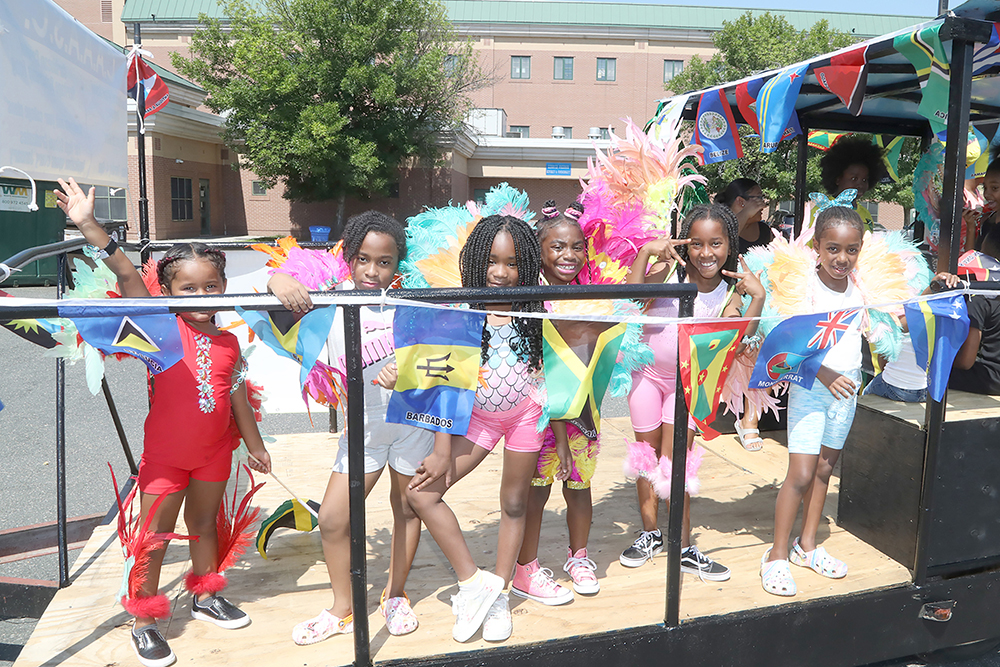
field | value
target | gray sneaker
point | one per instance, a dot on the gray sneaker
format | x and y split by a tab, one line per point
649	544
695	562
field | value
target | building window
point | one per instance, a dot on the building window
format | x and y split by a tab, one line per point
258	189
606	69
672	68
181	201
450	64
109	203
562	132
518	131
520	67
107	12
563	69
605	134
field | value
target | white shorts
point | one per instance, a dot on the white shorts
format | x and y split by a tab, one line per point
402	447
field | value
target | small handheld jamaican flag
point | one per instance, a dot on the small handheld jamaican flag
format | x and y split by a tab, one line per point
290	514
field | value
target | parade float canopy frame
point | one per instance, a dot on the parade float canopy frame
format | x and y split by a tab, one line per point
63	106
893	90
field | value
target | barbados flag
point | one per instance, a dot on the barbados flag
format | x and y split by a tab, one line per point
294	335
776	107
706	354
937	330
437	361
796	347
715	129
149	334
576	385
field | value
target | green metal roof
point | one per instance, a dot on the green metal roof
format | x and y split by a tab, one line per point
555	12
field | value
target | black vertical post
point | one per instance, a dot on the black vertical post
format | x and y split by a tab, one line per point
678	475
356	482
113	409
140	138
802	159
959	94
62	541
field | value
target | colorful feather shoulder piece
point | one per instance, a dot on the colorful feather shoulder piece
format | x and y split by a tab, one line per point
637	170
434	237
318	270
614	233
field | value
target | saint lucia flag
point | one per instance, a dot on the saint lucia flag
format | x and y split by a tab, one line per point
294	335
925	52
706	355
149	334
715	129
846	77
776	107
437	361
574	385
795	349
937	329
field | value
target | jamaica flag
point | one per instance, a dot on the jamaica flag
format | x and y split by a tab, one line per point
706	354
293	335
437	357
149	334
290	514
576	375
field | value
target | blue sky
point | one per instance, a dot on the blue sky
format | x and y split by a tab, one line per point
902	7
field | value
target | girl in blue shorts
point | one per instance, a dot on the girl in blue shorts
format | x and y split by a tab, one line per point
819	418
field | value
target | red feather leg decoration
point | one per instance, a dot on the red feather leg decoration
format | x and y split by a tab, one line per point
233	523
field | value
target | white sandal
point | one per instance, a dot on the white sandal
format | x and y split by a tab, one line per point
819	561
752	444
776	576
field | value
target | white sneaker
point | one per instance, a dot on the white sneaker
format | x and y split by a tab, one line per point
497	626
471	607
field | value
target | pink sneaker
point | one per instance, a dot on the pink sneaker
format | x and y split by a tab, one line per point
581	571
536	583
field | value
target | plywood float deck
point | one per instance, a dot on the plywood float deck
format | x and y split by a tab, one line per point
732	521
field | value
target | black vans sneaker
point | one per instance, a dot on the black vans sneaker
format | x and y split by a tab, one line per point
695	562
151	648
220	611
649	544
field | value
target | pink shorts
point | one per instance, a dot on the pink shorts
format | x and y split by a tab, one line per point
157	478
651	401
518	426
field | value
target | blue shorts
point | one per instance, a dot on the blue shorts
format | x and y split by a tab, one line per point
880	387
817	419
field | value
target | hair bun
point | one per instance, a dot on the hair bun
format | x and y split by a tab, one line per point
550	210
574	211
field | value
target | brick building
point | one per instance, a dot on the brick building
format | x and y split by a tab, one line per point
564	75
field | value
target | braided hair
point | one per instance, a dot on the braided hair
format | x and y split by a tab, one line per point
725	217
167	267
360	225
551	219
837	216
473	263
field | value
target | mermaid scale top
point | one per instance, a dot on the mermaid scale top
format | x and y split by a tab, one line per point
505	382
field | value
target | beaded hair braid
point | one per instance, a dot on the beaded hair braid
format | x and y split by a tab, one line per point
473	263
730	224
167	267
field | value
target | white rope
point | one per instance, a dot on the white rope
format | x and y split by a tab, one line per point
32	205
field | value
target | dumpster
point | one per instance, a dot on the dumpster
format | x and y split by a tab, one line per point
21	229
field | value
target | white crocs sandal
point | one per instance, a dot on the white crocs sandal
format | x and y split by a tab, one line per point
819	561
776	576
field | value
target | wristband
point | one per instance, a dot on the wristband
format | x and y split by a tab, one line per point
109	250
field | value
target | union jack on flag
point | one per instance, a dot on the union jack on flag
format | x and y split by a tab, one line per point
829	329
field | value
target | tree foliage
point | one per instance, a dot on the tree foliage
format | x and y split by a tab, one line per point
333	96
753	44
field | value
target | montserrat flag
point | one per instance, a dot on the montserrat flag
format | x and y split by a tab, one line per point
938	328
437	361
924	50
149	334
776	106
294	335
797	346
706	354
576	385
715	129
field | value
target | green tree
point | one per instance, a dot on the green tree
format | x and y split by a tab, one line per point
752	44
333	96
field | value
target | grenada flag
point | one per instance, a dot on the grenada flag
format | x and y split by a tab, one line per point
706	354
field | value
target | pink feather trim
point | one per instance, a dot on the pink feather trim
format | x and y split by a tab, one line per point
640	459
209	584
154	606
660	477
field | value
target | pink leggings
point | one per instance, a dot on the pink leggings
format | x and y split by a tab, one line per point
651	401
